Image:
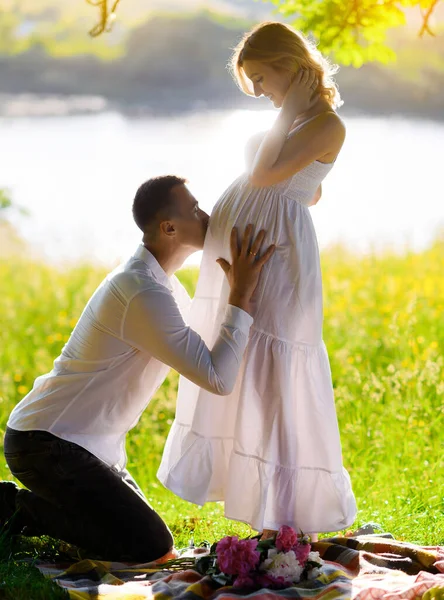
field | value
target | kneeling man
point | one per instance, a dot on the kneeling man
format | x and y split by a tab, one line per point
65	441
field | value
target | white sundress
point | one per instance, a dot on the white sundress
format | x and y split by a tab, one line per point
271	449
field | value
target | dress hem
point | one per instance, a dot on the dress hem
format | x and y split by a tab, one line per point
255	491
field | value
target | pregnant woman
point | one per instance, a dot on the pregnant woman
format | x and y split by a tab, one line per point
271	449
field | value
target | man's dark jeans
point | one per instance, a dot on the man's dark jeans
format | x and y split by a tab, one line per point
76	497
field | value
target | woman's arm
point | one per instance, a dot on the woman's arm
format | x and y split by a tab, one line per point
280	156
252	147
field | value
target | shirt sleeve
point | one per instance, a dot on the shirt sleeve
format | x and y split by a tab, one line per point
153	323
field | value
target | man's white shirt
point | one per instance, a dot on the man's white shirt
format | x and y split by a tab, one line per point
129	335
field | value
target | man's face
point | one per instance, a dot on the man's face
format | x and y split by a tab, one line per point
190	222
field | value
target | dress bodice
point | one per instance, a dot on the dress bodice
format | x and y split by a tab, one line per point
303	185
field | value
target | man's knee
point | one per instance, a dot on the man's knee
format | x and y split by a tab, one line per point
152	540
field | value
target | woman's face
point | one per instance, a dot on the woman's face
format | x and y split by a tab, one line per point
268	81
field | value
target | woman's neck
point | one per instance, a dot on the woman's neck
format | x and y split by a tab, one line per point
321	106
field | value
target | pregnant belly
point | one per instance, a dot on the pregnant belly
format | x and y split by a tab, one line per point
285	221
288	299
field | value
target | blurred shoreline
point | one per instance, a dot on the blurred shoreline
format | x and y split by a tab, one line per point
171	65
29	105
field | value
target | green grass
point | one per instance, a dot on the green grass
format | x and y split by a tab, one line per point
19	579
384	329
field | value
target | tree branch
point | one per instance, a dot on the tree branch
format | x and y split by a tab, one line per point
343	25
105	16
425	26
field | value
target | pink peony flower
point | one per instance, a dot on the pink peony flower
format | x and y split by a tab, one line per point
237	557
286	538
302	551
268	581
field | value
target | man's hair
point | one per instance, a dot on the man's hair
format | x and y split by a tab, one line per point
153	201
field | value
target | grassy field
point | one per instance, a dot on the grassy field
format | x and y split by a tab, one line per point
384	329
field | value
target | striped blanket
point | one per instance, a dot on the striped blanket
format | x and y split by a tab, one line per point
360	568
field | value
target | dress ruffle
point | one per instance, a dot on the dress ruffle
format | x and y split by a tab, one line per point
312	491
310	499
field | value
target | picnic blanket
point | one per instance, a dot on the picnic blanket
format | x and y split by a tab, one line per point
359	568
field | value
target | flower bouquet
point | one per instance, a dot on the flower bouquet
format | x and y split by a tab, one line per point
279	562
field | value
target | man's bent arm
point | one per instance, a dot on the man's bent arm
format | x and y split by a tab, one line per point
153	323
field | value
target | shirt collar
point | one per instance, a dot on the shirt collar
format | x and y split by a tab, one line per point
159	274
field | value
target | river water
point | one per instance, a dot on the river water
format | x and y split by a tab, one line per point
77	177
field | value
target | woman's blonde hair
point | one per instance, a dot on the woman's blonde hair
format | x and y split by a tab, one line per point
281	47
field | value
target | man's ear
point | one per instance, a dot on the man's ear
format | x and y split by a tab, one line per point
167	228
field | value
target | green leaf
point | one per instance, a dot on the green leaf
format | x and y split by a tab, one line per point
206	564
354	32
223	579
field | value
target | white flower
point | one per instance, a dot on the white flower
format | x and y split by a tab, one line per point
315	557
285	565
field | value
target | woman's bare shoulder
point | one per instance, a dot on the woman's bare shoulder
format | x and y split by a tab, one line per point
327	126
333	121
321	137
